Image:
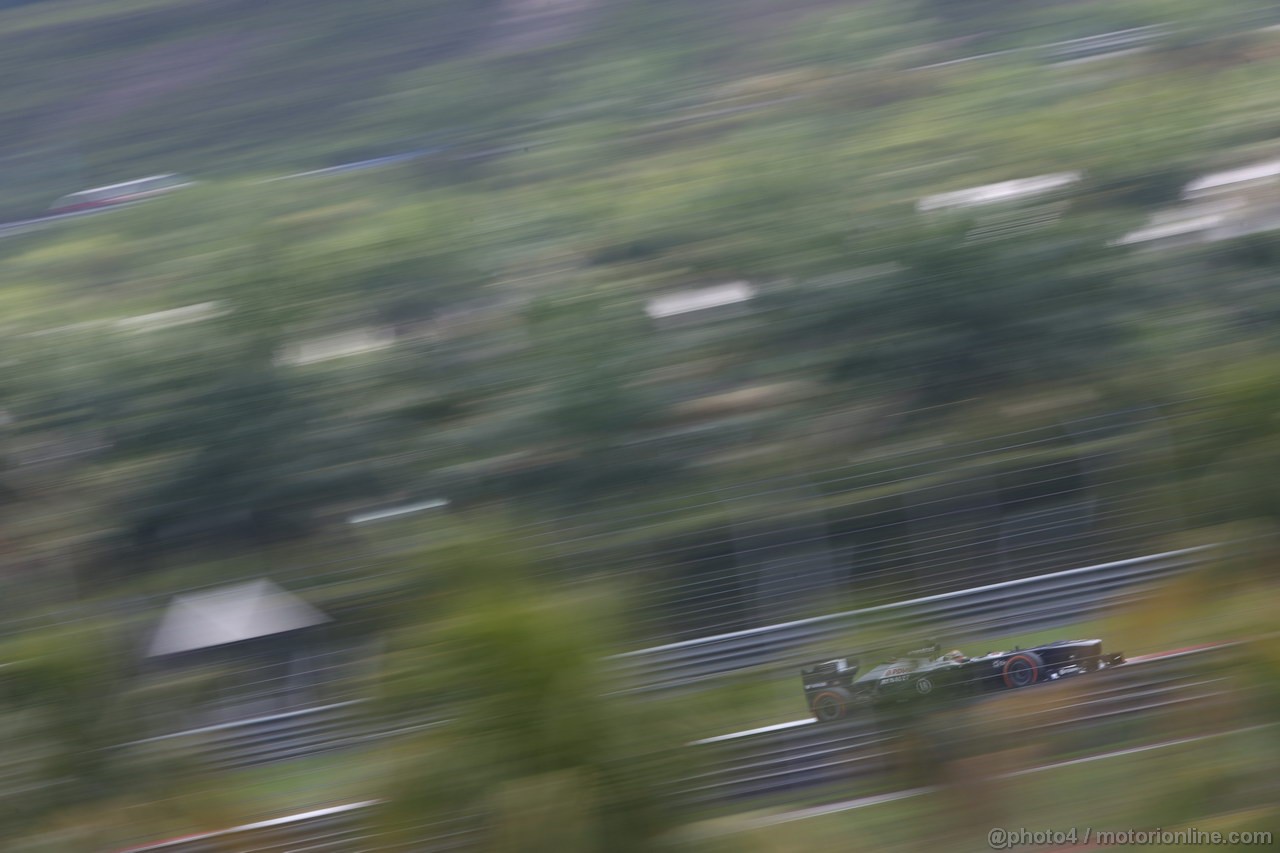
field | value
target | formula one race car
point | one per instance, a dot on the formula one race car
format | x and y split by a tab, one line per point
836	688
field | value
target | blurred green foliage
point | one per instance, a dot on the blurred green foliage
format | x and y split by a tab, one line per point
473	324
503	353
539	750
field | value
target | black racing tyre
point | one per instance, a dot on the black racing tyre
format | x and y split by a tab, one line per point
831	704
1022	669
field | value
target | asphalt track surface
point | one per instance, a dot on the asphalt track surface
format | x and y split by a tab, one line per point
876	799
805	721
720	827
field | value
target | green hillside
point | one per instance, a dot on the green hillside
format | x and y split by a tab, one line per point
630	151
104	90
449	400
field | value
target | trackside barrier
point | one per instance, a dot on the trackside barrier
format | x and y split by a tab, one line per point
320	829
346	828
769	761
292	734
1014	605
803	754
1023	604
271	737
1104	43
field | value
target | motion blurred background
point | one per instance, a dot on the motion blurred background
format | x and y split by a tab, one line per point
451	424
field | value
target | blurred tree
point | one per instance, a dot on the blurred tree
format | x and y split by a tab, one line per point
849	36
256	457
397	268
589	349
236	447
67	720
1230	454
1207	35
957	312
589	352
1243	271
540	752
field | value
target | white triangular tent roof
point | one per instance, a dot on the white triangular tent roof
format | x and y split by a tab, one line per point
229	614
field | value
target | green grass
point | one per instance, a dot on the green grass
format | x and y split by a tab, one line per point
309	782
1194	610
753	699
112	89
1141	790
1169	788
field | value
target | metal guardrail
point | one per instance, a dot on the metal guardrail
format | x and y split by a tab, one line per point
1027	603
1012	605
803	754
22	226
346	828
329	829
768	761
287	735
1103	43
271	737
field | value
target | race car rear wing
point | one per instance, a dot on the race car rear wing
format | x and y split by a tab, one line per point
839	666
